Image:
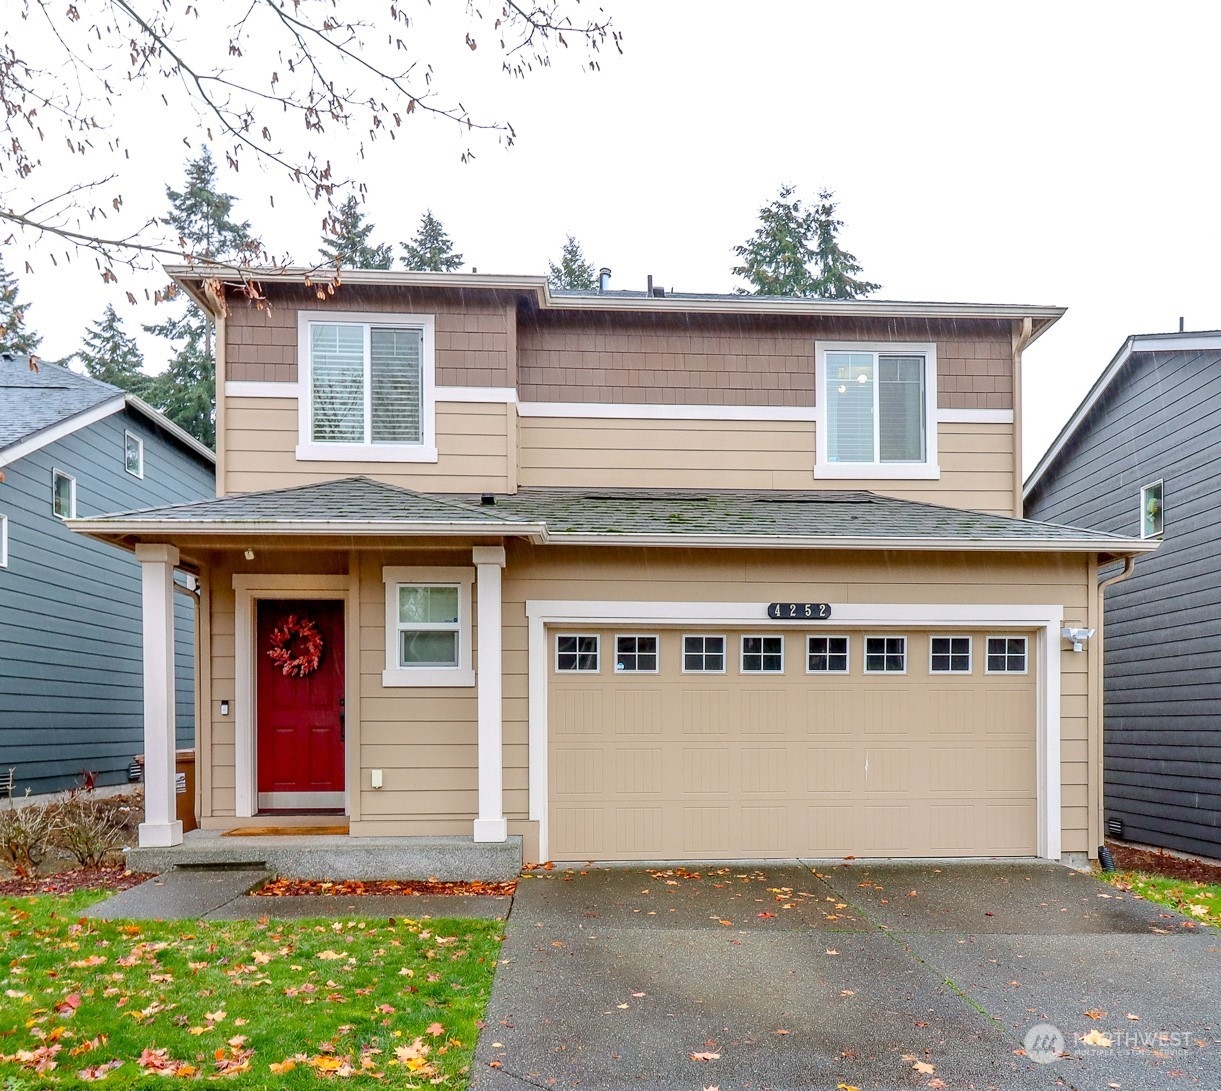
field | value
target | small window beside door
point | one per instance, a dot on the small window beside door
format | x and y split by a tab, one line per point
428	627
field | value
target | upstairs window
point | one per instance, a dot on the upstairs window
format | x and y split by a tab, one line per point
876	412
1151	510
367	388
133	454
63	495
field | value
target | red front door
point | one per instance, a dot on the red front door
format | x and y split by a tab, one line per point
300	724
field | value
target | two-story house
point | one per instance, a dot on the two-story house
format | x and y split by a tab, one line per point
629	575
71	673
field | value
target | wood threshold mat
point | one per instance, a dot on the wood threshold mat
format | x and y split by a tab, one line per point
284	831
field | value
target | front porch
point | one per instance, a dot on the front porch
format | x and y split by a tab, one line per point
338	856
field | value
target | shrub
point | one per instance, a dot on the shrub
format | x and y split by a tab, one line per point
87	827
25	835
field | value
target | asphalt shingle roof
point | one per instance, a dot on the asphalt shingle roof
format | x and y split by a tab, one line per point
348	500
31	401
823	514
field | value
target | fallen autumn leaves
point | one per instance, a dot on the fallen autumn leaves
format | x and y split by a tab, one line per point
392	1002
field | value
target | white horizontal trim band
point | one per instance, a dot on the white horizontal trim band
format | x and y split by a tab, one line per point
974	416
237	388
639	411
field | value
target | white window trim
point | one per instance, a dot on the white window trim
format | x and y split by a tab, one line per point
927	470
618	636
578	669
1046	619
724	653
829	636
1144	490
424	451
952	636
742	653
461	675
884	636
1012	636
3	541
139	471
55	474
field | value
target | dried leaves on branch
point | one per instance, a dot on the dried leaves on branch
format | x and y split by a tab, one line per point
264	80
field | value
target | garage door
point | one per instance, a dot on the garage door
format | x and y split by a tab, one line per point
726	744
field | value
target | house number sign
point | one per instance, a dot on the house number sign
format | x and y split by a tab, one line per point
799	611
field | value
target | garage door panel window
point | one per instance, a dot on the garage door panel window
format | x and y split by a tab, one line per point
1006	655
885	655
762	655
636	654
950	655
576	654
703	654
827	655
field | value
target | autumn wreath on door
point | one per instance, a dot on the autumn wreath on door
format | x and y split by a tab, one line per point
296	646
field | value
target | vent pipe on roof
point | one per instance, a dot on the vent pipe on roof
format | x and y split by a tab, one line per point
1180	323
604	275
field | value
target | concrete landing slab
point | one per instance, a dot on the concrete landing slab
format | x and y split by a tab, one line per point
767	898
178	895
336	856
415	907
1015	897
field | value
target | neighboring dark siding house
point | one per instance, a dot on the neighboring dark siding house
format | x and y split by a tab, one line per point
1142	455
71	681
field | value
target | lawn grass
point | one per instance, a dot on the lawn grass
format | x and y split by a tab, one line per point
251	1004
1200	901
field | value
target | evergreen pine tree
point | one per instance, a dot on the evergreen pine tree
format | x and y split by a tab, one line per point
795	252
430	250
14	337
776	259
573	272
349	245
112	356
837	269
186	390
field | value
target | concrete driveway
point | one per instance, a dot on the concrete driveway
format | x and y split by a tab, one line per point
866	975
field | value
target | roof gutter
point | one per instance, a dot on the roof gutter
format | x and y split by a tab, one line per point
195	279
1119	547
111	528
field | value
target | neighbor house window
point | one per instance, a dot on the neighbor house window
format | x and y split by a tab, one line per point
63	495
1006	655
885	654
133	454
367	387
1151	510
636	654
827	654
428	627
577	653
950	655
762	654
3	541
703	654
876	410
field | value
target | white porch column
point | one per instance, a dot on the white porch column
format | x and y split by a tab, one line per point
491	824
160	827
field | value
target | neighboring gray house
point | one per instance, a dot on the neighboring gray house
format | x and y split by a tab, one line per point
71	696
1142	455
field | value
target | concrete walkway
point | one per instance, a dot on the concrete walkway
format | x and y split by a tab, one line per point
862	975
201	894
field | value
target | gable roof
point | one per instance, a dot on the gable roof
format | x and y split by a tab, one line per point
1112	373
41	404
818	519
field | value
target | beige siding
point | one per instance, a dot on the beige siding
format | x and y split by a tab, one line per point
976	459
425	739
474	445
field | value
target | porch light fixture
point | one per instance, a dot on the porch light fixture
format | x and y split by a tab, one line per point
1077	636
249	554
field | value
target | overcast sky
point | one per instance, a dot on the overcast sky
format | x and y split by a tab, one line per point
1021	152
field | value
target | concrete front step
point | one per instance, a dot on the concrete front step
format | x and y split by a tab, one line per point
332	856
